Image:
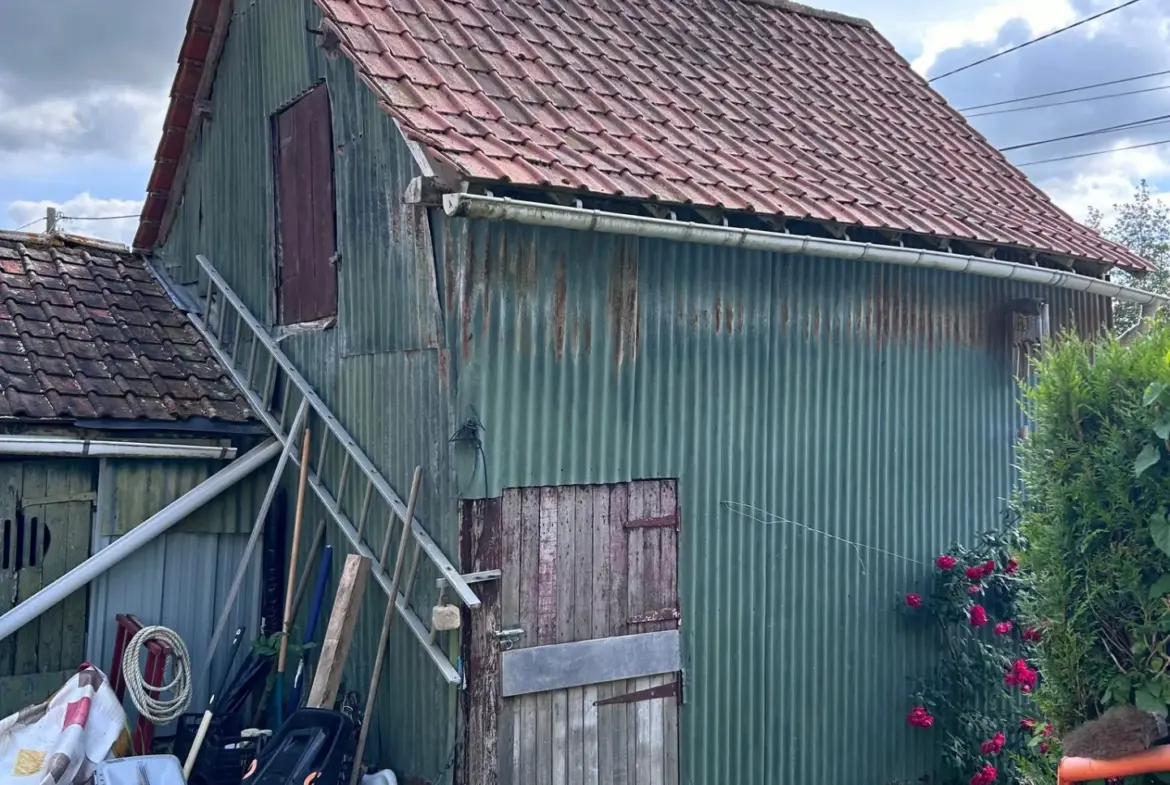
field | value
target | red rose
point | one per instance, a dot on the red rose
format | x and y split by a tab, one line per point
986	775
988	568
1043	748
1020	675
945	562
974	573
1027	723
978	616
919	718
913	600
1011	566
1047	730
975	589
994	744
1033	635
1003	628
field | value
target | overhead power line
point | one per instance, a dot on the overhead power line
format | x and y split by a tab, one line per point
30	223
1065	91
1070	101
1036	40
1095	152
97	217
1108	129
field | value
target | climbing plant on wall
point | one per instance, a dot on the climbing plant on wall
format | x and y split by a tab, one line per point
974	703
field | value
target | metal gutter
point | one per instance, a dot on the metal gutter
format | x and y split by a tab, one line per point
81	575
495	208
97	448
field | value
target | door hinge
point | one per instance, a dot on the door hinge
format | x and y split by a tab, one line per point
670	690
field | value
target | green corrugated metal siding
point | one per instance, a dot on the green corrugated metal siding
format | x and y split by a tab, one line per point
863	401
367	369
140	488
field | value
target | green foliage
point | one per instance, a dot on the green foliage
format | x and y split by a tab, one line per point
966	695
1095	509
1143	225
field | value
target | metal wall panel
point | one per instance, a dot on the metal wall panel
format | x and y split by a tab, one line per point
155	583
380	369
140	488
179	581
833	425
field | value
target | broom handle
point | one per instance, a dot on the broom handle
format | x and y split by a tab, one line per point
375	677
296	545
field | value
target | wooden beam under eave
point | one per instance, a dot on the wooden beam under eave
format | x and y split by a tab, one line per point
199	117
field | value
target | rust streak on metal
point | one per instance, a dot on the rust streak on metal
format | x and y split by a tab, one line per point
623	302
560	292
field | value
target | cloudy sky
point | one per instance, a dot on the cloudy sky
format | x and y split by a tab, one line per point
83	87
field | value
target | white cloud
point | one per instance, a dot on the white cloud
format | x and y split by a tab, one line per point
1105	181
81	207
1042	16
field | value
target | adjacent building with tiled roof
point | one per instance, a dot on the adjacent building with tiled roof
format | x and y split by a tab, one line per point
87	333
704	321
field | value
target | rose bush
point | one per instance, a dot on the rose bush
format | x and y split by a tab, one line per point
976	703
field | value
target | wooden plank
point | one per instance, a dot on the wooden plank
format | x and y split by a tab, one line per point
620	721
656	727
527	709
339	633
481	546
52	563
510	735
546	627
635	545
599	753
11	479
546	571
17	692
640	740
566	516
78	546
543	740
670	750
589	737
575	737
564	665
618	515
29	578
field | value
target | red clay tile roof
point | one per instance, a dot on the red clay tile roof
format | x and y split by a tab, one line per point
757	105
87	333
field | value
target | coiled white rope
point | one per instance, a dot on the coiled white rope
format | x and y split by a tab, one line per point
158	711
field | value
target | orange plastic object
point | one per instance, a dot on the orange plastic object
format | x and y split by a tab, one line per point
1085	769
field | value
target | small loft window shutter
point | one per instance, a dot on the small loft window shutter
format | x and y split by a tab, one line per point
306	243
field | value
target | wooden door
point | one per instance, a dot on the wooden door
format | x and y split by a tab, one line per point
46	514
574	658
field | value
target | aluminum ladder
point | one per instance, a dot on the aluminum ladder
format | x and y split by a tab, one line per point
276	390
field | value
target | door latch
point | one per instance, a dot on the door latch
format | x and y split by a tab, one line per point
506	639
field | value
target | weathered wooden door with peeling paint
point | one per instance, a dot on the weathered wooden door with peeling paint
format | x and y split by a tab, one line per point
46	513
573	660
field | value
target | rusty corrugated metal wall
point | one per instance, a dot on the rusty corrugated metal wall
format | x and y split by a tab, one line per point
381	369
869	403
833	425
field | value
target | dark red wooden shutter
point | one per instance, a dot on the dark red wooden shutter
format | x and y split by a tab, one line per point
304	198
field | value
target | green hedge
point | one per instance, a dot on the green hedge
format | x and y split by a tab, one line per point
1093	508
